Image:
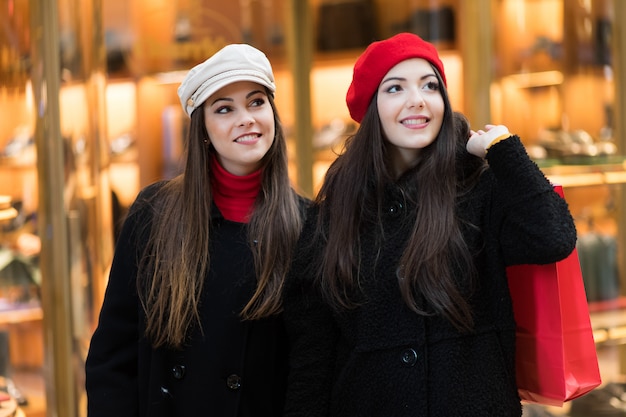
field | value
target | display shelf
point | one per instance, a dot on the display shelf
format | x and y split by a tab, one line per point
609	324
21	314
25	330
17	164
586	175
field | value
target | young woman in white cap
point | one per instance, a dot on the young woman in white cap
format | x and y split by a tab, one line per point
190	323
397	303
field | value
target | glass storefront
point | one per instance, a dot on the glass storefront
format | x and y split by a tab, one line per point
54	166
89	115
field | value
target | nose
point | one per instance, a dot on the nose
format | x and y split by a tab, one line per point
247	119
415	98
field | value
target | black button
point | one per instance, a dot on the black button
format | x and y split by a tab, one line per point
165	393
395	209
233	381
409	357
178	371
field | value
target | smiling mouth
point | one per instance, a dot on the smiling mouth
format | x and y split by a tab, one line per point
248	138
413	122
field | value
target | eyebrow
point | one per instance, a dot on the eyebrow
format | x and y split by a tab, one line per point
250	94
404	79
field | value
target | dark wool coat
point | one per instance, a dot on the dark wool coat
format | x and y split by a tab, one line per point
381	359
237	368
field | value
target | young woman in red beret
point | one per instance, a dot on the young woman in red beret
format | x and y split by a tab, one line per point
397	303
190	324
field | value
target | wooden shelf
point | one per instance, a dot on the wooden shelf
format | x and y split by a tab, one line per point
608	320
586	175
25	329
21	315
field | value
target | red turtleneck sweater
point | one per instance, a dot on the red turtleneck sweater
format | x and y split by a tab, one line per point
234	195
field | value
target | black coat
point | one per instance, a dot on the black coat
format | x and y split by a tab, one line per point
236	368
382	359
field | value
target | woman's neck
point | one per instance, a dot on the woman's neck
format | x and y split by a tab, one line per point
234	195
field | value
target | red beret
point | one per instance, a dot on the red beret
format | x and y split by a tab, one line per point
377	60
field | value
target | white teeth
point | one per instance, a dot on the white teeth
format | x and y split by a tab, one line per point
413	121
246	138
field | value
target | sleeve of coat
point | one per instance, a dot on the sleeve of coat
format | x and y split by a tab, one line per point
111	364
533	223
312	336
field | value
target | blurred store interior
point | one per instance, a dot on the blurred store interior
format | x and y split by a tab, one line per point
89	115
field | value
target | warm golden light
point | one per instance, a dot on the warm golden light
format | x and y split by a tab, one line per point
536	79
7	212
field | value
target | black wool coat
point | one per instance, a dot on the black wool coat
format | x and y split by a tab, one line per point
381	359
234	368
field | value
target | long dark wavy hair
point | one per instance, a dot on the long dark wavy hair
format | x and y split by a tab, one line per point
176	258
353	190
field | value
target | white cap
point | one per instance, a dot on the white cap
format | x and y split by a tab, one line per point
235	62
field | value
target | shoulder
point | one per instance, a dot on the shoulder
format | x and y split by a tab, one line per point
146	197
509	157
142	211
152	190
304	204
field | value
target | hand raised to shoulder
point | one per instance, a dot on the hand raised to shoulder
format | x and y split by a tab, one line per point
481	140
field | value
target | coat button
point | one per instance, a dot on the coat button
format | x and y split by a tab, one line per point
165	393
178	371
233	381
395	208
409	357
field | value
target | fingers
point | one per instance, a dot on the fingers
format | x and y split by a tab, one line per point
488	127
481	140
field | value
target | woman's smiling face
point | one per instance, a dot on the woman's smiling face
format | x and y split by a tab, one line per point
411	109
240	122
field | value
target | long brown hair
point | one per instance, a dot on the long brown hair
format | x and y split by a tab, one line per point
176	258
352	191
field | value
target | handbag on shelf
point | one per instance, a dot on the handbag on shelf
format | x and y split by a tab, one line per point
556	359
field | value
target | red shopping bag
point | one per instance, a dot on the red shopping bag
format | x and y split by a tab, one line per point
556	358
